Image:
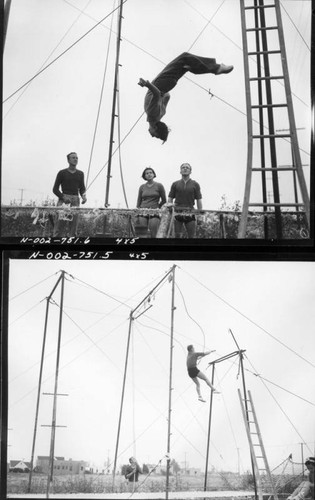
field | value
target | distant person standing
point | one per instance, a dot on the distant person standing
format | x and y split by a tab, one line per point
71	182
132	471
150	195
184	193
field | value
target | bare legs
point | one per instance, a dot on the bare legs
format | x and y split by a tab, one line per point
203	377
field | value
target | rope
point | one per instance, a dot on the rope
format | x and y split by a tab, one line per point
203	333
100	99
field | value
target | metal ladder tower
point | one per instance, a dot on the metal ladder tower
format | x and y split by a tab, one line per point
259	457
273	152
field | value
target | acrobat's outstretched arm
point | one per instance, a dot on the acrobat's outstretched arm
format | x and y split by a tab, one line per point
145	83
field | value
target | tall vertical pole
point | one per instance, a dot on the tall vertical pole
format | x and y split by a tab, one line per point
122	398
40	382
247	417
38	397
53	424
293	130
6	14
302	455
240	353
209	429
170	387
109	163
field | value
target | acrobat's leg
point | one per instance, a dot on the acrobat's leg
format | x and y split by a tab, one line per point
198	389
203	377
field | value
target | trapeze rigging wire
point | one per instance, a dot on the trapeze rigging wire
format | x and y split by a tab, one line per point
294	25
100	99
240	48
47	59
209	22
60	55
125	137
282	388
276	401
103	293
26	312
250	320
33	286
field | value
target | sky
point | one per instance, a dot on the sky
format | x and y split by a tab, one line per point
268	306
57	113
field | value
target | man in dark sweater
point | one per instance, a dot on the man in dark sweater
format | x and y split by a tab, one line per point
185	192
71	182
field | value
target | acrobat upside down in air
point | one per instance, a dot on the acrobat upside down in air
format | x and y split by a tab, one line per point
157	96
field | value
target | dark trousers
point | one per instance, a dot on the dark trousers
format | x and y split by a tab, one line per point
169	76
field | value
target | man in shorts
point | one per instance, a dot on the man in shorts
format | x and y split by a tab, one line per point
195	373
184	193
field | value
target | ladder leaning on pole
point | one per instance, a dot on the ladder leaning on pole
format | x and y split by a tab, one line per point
273	151
259	458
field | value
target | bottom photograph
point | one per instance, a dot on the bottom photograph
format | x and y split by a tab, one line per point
159	379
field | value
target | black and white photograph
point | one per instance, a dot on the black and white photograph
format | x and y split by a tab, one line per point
157	120
160	379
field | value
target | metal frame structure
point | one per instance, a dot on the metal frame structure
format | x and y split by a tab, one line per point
267	140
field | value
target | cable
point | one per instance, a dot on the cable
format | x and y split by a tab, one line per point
60	55
284	413
279	386
102	292
26	312
294	25
51	53
251	321
104	166
33	286
101	98
207	24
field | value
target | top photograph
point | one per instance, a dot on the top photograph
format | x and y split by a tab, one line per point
168	122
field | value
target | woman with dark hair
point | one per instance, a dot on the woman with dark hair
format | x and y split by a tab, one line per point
157	96
150	195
